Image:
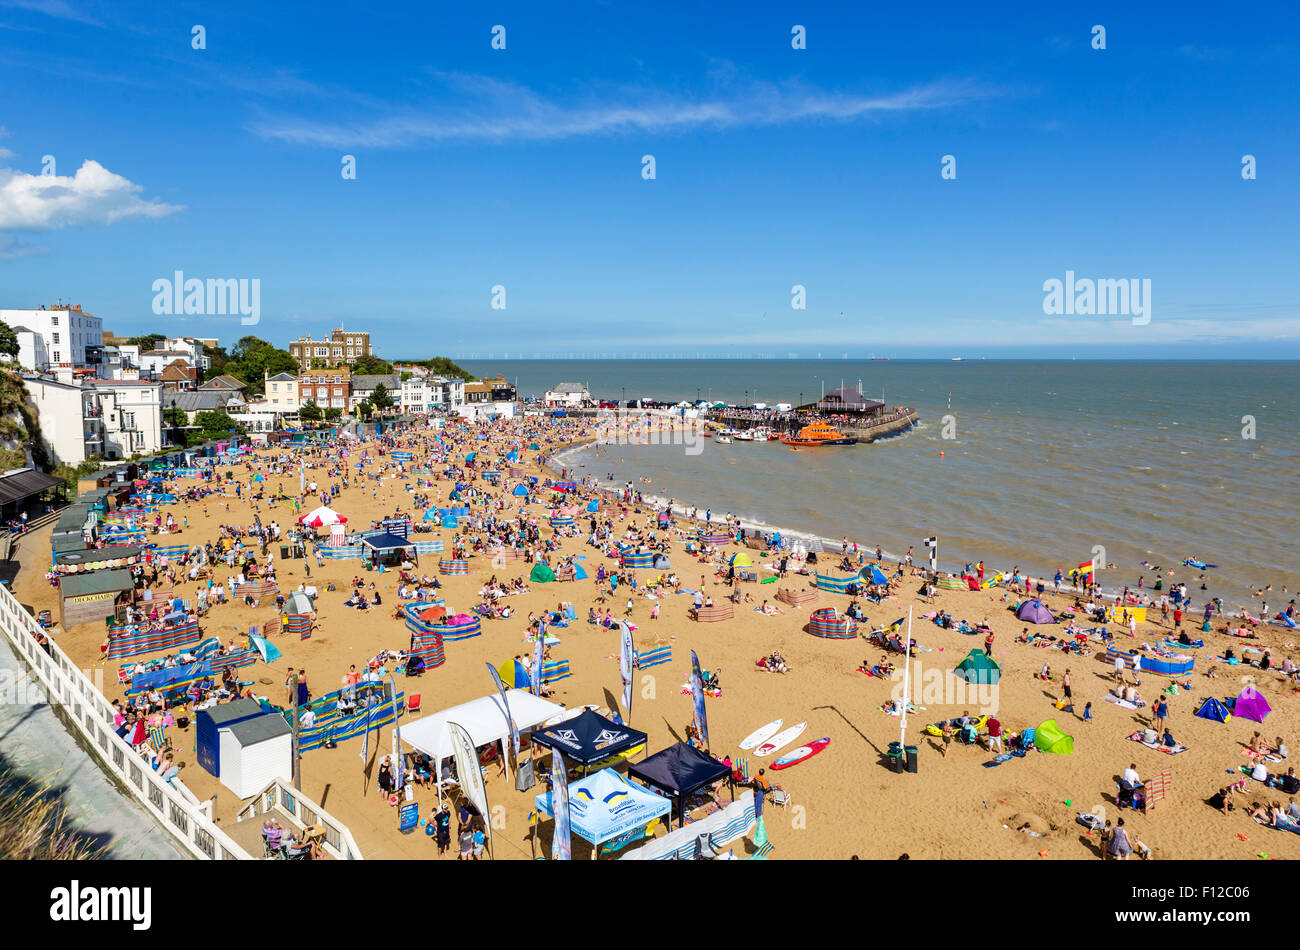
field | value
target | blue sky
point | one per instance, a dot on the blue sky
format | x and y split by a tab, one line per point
522	168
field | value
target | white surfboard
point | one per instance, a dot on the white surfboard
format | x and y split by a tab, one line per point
762	734
781	738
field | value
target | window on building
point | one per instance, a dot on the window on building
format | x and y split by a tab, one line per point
54	321
56	338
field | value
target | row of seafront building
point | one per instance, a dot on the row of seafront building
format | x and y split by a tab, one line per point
99	395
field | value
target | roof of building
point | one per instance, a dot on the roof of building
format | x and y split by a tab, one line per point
848	396
390	382
22	485
201	401
96	582
223	382
569	388
282	378
176	369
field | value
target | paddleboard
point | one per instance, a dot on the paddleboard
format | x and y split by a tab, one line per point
801	753
762	734
781	738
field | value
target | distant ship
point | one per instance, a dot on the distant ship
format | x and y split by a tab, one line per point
820	433
958	359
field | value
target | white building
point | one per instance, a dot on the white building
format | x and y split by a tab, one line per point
68	412
482	411
363	388
257	418
567	394
111	419
68	336
416	395
431	394
282	392
131	411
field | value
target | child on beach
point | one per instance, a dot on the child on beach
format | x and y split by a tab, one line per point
1087	712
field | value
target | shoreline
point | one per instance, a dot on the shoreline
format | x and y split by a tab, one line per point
751	523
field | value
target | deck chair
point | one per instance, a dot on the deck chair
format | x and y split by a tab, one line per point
742	769
413	703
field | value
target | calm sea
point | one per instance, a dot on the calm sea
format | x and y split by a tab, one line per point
1047	459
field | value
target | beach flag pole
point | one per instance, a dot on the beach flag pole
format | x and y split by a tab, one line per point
907	682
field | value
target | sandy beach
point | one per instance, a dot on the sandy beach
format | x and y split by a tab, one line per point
845	801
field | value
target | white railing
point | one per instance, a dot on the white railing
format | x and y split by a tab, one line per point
88	712
284	799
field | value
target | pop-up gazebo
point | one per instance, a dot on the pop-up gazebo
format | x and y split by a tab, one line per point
388	549
605	806
679	771
589	738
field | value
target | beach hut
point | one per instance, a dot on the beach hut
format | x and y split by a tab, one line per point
978	669
1048	737
209	723
1034	611
1252	705
1213	710
255	752
541	574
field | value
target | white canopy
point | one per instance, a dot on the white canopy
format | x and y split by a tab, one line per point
483	719
322	517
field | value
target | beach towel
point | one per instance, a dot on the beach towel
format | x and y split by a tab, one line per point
1158	746
1124	703
997	760
1284	824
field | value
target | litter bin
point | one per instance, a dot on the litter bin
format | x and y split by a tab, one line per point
896	757
284	552
911	758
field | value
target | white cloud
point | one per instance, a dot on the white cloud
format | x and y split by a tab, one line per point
495	111
59	9
94	195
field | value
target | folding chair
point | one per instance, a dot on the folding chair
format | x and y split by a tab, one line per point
781	797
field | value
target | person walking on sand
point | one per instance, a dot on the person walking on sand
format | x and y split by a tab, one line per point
988	644
946	731
1068	699
1160	710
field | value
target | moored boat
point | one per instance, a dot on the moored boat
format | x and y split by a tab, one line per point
819	433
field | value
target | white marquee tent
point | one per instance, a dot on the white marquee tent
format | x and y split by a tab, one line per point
483	719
